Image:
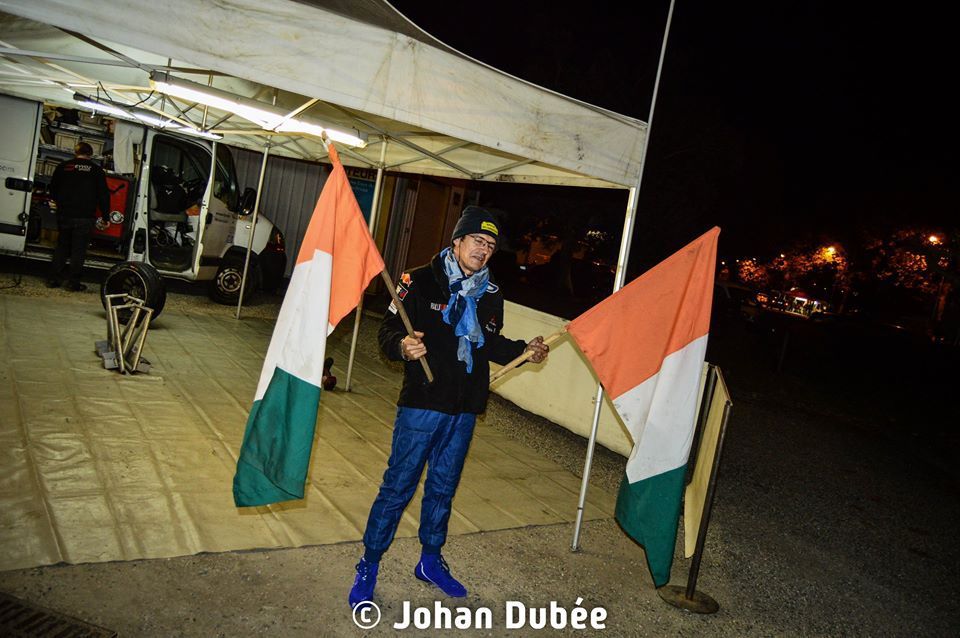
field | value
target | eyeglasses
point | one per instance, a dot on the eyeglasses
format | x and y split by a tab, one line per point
483	243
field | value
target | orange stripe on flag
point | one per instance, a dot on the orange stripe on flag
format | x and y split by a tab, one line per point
627	336
338	228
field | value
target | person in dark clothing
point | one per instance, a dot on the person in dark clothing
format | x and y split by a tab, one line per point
456	310
79	187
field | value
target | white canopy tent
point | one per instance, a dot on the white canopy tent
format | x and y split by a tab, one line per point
350	64
357	65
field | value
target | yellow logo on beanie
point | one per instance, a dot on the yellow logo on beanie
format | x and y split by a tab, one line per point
489	227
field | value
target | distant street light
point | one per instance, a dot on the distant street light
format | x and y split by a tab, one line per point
934	240
828	253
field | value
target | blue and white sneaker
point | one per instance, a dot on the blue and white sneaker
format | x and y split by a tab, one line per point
364	583
433	569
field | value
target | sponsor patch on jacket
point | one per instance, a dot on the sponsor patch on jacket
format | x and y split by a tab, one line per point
491	325
439	307
403	287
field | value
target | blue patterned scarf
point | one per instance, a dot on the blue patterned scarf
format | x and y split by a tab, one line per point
461	310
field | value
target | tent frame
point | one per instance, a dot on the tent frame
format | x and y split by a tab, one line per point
617	169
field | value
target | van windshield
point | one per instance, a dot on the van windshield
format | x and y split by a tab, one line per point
225	187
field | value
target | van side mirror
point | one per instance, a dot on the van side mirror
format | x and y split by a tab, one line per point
247	201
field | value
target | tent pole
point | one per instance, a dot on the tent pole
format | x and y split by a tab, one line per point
374	209
587	466
622	259
253	225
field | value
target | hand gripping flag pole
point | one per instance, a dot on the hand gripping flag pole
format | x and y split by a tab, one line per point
526	355
391	286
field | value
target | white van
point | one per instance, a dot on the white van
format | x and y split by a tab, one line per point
178	213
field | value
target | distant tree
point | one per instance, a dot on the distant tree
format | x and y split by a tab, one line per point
907	271
752	273
924	262
818	269
914	259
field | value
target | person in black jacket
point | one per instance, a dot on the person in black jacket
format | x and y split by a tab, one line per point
79	187
456	311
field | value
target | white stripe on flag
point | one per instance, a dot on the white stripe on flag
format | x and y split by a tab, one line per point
299	338
659	413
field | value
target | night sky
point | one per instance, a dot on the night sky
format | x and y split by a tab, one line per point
778	121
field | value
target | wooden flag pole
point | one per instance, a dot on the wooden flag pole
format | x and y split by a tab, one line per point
392	287
526	355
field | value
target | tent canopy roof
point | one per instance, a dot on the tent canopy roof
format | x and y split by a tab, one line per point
353	65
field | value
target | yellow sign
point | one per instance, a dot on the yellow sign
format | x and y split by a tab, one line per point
695	498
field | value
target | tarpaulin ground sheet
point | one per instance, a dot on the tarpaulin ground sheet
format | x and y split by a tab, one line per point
98	466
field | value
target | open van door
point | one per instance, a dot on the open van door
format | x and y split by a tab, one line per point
220	213
18	160
191	203
176	181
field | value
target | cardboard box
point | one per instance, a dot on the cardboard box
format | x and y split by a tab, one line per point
88	118
48	236
47	166
66	141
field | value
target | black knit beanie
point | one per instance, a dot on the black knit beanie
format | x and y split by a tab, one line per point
475	219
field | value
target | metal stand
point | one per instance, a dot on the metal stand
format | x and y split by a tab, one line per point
700	603
688	597
123	348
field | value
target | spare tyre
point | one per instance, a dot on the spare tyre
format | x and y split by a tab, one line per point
138	280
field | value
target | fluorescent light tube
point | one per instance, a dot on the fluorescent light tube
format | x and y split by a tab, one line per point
141	117
266	116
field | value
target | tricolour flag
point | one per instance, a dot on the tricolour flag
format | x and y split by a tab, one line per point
647	344
337	260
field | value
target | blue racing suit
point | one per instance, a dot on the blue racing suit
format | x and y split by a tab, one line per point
435	421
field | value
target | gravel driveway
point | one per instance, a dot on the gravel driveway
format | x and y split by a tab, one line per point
822	526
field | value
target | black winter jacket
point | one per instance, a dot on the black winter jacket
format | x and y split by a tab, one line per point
79	186
425	292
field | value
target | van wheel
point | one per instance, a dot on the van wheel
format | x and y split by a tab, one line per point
225	287
137	280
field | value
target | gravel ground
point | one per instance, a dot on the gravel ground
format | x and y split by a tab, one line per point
820	528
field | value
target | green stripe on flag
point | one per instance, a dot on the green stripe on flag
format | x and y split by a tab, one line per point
649	512
276	446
